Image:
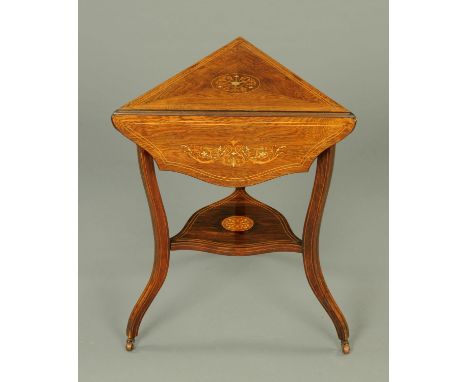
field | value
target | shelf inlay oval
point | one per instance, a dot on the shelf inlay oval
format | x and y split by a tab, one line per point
237	223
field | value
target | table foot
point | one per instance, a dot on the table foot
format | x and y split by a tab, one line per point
345	348
130	344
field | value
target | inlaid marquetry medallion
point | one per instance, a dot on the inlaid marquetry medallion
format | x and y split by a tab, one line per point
237	223
233	154
235	83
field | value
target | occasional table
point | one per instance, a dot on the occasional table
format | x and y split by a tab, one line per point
234	119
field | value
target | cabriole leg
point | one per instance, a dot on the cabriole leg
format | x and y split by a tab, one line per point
311	246
161	248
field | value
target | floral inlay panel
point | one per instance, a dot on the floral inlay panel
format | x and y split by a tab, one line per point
233	154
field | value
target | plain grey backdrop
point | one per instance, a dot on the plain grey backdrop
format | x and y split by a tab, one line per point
221	318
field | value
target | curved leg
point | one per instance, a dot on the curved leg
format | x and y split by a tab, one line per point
161	249
311	245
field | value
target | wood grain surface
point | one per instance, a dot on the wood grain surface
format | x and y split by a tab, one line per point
234	151
198	87
270	231
235	118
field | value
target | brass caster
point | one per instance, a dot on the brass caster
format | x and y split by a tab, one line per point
130	344
345	348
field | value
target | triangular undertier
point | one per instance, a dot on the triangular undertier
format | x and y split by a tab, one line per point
269	232
237	77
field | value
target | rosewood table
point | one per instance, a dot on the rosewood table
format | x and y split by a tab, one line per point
236	118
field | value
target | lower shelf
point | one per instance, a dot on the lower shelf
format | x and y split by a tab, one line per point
237	225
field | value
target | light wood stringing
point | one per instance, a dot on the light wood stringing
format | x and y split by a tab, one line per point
291	144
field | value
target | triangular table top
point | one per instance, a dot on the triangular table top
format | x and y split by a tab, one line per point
236	118
237	77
